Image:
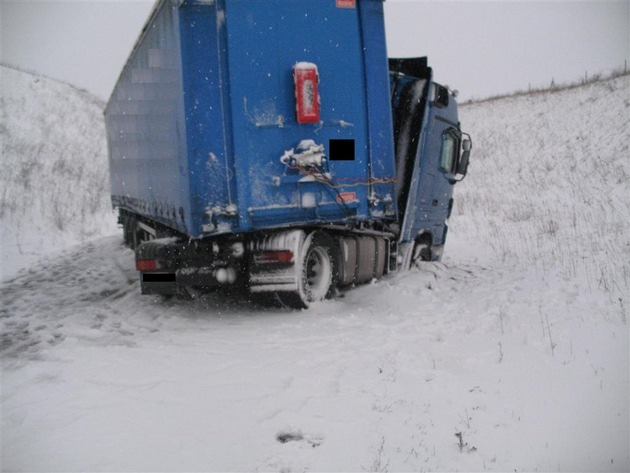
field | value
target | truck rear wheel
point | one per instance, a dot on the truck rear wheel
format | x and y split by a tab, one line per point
316	272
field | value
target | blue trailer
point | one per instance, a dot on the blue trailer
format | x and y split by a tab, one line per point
272	144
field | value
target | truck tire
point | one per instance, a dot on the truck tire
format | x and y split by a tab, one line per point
317	272
421	251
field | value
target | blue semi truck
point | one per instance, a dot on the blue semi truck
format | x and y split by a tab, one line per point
272	145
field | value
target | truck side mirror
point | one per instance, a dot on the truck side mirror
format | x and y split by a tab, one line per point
462	167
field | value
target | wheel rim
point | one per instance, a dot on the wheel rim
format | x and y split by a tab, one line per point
317	273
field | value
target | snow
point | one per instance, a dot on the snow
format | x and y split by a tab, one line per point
518	340
50	132
304	66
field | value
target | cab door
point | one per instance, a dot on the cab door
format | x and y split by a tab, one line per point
431	189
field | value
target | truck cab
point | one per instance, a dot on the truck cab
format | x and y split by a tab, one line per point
431	155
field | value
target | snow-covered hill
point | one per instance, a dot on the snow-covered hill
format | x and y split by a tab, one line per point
550	183
54	181
512	354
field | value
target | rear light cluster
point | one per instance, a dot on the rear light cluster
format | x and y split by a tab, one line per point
148	265
274	257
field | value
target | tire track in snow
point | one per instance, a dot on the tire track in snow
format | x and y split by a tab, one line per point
43	305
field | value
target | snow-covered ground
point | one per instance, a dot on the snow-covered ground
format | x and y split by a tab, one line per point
511	354
54	182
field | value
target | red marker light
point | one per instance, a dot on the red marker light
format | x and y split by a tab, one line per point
147	265
306	78
274	257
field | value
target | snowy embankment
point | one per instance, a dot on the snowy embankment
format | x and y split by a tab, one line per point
512	354
54	177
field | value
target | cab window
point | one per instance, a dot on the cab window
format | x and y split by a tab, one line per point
450	151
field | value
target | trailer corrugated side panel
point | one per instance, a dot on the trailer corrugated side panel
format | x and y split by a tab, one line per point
145	125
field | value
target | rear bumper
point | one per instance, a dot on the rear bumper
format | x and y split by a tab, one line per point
170	283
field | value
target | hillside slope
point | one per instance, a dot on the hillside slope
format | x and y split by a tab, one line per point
510	355
54	181
549	184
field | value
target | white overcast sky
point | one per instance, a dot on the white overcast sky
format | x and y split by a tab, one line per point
480	48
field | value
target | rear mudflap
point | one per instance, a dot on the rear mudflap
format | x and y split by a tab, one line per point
274	276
